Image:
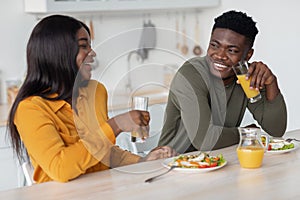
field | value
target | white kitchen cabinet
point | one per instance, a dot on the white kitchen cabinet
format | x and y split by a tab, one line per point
77	6
10	171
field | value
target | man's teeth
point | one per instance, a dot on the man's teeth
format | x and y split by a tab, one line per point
221	66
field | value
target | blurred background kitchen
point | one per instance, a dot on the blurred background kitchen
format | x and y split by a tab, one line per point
141	45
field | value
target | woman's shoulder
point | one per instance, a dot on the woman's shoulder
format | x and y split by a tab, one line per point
93	87
40	103
32	100
95	83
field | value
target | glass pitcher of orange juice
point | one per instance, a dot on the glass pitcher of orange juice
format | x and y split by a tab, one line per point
250	150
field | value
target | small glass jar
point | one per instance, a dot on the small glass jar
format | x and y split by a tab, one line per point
250	150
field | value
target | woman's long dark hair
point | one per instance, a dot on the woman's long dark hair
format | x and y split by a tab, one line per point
51	67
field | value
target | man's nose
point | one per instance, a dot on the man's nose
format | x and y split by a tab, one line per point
221	54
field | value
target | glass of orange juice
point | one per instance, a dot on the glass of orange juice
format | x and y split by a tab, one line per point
250	150
139	103
241	70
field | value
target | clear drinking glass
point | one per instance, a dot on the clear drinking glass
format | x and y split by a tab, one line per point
241	70
139	103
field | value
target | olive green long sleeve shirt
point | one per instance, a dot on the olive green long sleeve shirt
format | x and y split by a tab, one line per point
203	114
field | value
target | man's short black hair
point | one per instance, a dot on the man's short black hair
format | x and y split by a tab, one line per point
238	22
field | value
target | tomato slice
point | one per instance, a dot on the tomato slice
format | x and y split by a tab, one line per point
269	147
213	164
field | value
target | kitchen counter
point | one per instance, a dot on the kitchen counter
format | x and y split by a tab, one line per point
4	110
116	100
122	100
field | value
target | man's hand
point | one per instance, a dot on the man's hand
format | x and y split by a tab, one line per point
262	77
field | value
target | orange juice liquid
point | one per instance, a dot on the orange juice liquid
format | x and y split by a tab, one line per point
137	134
250	157
246	86
134	134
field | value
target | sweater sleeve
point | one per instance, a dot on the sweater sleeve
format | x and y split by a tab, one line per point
271	115
97	96
96	134
119	157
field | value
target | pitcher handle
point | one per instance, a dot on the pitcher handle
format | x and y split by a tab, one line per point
265	140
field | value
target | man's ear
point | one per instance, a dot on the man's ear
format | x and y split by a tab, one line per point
249	54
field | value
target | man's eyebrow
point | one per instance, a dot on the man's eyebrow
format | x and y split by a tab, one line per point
234	46
214	40
228	45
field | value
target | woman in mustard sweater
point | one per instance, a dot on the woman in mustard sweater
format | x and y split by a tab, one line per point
59	119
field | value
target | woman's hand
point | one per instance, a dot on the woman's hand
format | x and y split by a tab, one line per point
135	120
159	152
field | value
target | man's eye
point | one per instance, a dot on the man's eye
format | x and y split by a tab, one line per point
233	51
213	45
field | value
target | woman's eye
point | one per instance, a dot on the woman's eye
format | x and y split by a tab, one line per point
84	46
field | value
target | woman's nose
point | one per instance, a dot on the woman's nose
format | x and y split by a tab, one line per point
92	53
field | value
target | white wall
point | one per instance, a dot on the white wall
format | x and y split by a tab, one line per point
276	44
15	29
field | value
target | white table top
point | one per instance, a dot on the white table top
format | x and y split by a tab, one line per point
278	178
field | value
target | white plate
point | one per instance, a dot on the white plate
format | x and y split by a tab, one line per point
296	146
168	160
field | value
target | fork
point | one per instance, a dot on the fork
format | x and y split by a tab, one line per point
292	139
149	180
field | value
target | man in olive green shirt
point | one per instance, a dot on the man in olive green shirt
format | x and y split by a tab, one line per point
206	104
